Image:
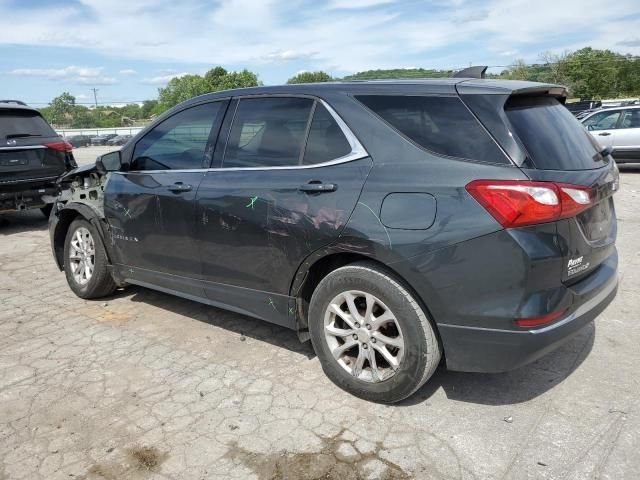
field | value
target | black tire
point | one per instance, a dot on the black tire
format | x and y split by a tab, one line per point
100	283
46	210
421	347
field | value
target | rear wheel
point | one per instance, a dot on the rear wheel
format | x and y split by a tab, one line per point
371	336
85	261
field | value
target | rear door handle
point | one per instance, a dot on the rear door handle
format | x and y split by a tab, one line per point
604	134
179	187
317	187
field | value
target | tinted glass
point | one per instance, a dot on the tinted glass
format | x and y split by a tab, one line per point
553	138
602	121
268	132
326	141
23	124
631	119
179	142
442	125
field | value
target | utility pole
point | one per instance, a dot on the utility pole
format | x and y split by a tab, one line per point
95	96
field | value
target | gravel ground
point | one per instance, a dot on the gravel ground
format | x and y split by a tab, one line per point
86	155
145	385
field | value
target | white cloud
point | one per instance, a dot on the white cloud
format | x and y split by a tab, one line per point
163	79
335	35
287	56
127	71
80	75
353	4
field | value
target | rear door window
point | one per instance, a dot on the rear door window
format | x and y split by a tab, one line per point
631	119
23	124
268	132
552	137
442	125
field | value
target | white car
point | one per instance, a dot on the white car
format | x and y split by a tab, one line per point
619	129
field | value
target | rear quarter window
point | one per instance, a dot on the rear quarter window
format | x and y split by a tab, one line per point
441	125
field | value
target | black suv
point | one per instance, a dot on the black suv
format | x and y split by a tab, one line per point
32	157
395	224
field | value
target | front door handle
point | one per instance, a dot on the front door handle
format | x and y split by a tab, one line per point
179	187
604	134
318	187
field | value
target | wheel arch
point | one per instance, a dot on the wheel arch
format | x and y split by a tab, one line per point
311	273
64	217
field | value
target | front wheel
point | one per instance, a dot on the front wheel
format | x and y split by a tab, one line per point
85	261
372	337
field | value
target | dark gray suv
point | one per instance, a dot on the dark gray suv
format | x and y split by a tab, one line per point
32	157
396	224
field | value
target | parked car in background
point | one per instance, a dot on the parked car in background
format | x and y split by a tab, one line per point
102	139
32	157
119	140
79	140
580	108
393	223
617	129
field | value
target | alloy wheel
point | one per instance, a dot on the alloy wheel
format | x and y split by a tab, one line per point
364	336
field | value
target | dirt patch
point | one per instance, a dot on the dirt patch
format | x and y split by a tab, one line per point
146	458
337	459
138	459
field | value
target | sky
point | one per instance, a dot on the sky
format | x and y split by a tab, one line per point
128	48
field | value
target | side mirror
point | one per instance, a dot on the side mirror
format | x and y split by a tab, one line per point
109	162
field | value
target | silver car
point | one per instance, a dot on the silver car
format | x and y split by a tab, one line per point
619	129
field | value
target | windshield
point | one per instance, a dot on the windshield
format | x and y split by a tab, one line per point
553	138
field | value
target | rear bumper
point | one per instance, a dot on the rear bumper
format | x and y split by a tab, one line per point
473	349
28	198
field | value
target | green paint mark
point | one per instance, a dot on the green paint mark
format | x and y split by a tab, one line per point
272	304
252	203
131	270
292	311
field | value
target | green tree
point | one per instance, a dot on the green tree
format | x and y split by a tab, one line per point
61	109
180	89
593	73
310	77
399	73
229	80
183	88
149	108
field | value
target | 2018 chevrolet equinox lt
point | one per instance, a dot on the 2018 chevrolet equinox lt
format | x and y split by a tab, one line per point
395	224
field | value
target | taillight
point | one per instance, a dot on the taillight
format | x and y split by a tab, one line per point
539	321
515	203
60	146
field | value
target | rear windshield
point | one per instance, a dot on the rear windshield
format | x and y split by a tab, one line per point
23	124
553	138
441	125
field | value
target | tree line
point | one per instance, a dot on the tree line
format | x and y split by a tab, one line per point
588	73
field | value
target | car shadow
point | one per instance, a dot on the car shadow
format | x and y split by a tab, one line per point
243	325
513	387
507	388
24	221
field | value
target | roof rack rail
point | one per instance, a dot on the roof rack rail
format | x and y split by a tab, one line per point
472	72
19	102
